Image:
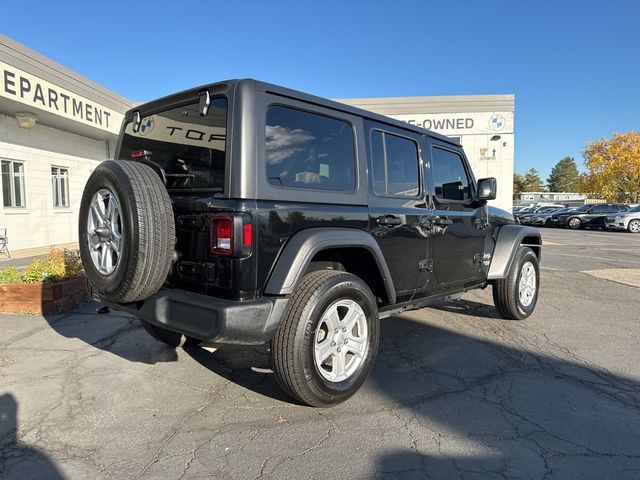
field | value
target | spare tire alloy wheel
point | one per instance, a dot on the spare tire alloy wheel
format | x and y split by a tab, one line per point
104	231
634	226
126	231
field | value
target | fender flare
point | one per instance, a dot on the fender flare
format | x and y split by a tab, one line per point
509	238
302	247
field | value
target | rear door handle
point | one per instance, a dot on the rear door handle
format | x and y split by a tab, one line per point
389	221
442	221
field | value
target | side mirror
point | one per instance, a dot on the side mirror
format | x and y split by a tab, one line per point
486	189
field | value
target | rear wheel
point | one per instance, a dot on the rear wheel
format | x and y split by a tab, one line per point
634	226
515	296
326	344
575	223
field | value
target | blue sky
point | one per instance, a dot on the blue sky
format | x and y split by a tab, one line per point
574	66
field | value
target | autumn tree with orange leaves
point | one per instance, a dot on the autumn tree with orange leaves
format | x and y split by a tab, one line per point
613	168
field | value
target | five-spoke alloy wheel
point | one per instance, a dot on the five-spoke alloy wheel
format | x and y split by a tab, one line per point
104	231
515	296
327	342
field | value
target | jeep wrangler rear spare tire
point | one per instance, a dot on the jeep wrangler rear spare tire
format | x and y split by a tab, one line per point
326	344
516	295
126	231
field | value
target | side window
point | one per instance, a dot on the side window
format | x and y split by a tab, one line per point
395	163
307	150
449	175
600	209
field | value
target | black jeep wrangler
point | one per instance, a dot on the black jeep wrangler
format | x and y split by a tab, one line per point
243	212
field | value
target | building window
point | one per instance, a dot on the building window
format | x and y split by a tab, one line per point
60	183
12	183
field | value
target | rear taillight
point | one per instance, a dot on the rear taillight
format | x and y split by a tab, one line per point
231	235
222	235
247	235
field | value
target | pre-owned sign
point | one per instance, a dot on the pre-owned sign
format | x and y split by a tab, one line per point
30	90
462	124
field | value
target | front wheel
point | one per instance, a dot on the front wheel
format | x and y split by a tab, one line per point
634	226
516	295
326	344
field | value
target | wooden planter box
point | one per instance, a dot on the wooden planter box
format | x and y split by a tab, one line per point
43	299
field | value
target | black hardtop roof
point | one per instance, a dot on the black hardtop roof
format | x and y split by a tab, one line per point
238	84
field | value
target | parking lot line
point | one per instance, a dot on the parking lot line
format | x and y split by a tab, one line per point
592	257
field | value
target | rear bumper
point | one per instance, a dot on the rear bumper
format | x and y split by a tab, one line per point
211	319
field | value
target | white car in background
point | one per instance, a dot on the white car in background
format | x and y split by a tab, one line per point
629	220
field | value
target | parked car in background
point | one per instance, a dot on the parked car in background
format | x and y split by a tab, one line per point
592	216
544	219
629	220
526	218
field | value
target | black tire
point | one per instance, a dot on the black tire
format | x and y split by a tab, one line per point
574	223
634	226
293	345
163	335
548	223
506	291
147	232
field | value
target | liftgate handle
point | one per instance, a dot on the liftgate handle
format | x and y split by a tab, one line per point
389	221
442	221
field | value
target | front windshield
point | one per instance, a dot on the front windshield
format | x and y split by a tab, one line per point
635	209
188	148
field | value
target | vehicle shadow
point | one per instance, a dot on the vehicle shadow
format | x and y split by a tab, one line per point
16	459
249	367
467	307
115	332
476	408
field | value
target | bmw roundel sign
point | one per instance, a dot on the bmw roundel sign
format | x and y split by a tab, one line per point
497	122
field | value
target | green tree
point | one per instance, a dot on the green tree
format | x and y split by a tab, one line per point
532	182
518	183
564	176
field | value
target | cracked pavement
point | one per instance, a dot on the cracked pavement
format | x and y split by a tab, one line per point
455	392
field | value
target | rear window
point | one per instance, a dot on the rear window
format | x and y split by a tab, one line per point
190	149
307	150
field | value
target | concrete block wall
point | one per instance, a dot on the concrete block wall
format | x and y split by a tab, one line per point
39	223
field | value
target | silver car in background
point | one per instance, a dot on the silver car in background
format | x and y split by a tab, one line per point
629	220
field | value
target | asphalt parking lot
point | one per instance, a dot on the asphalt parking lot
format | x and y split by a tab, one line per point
456	392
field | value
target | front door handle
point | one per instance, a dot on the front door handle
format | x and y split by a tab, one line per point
442	221
389	221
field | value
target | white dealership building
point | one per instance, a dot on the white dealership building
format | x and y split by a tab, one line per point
483	124
56	126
